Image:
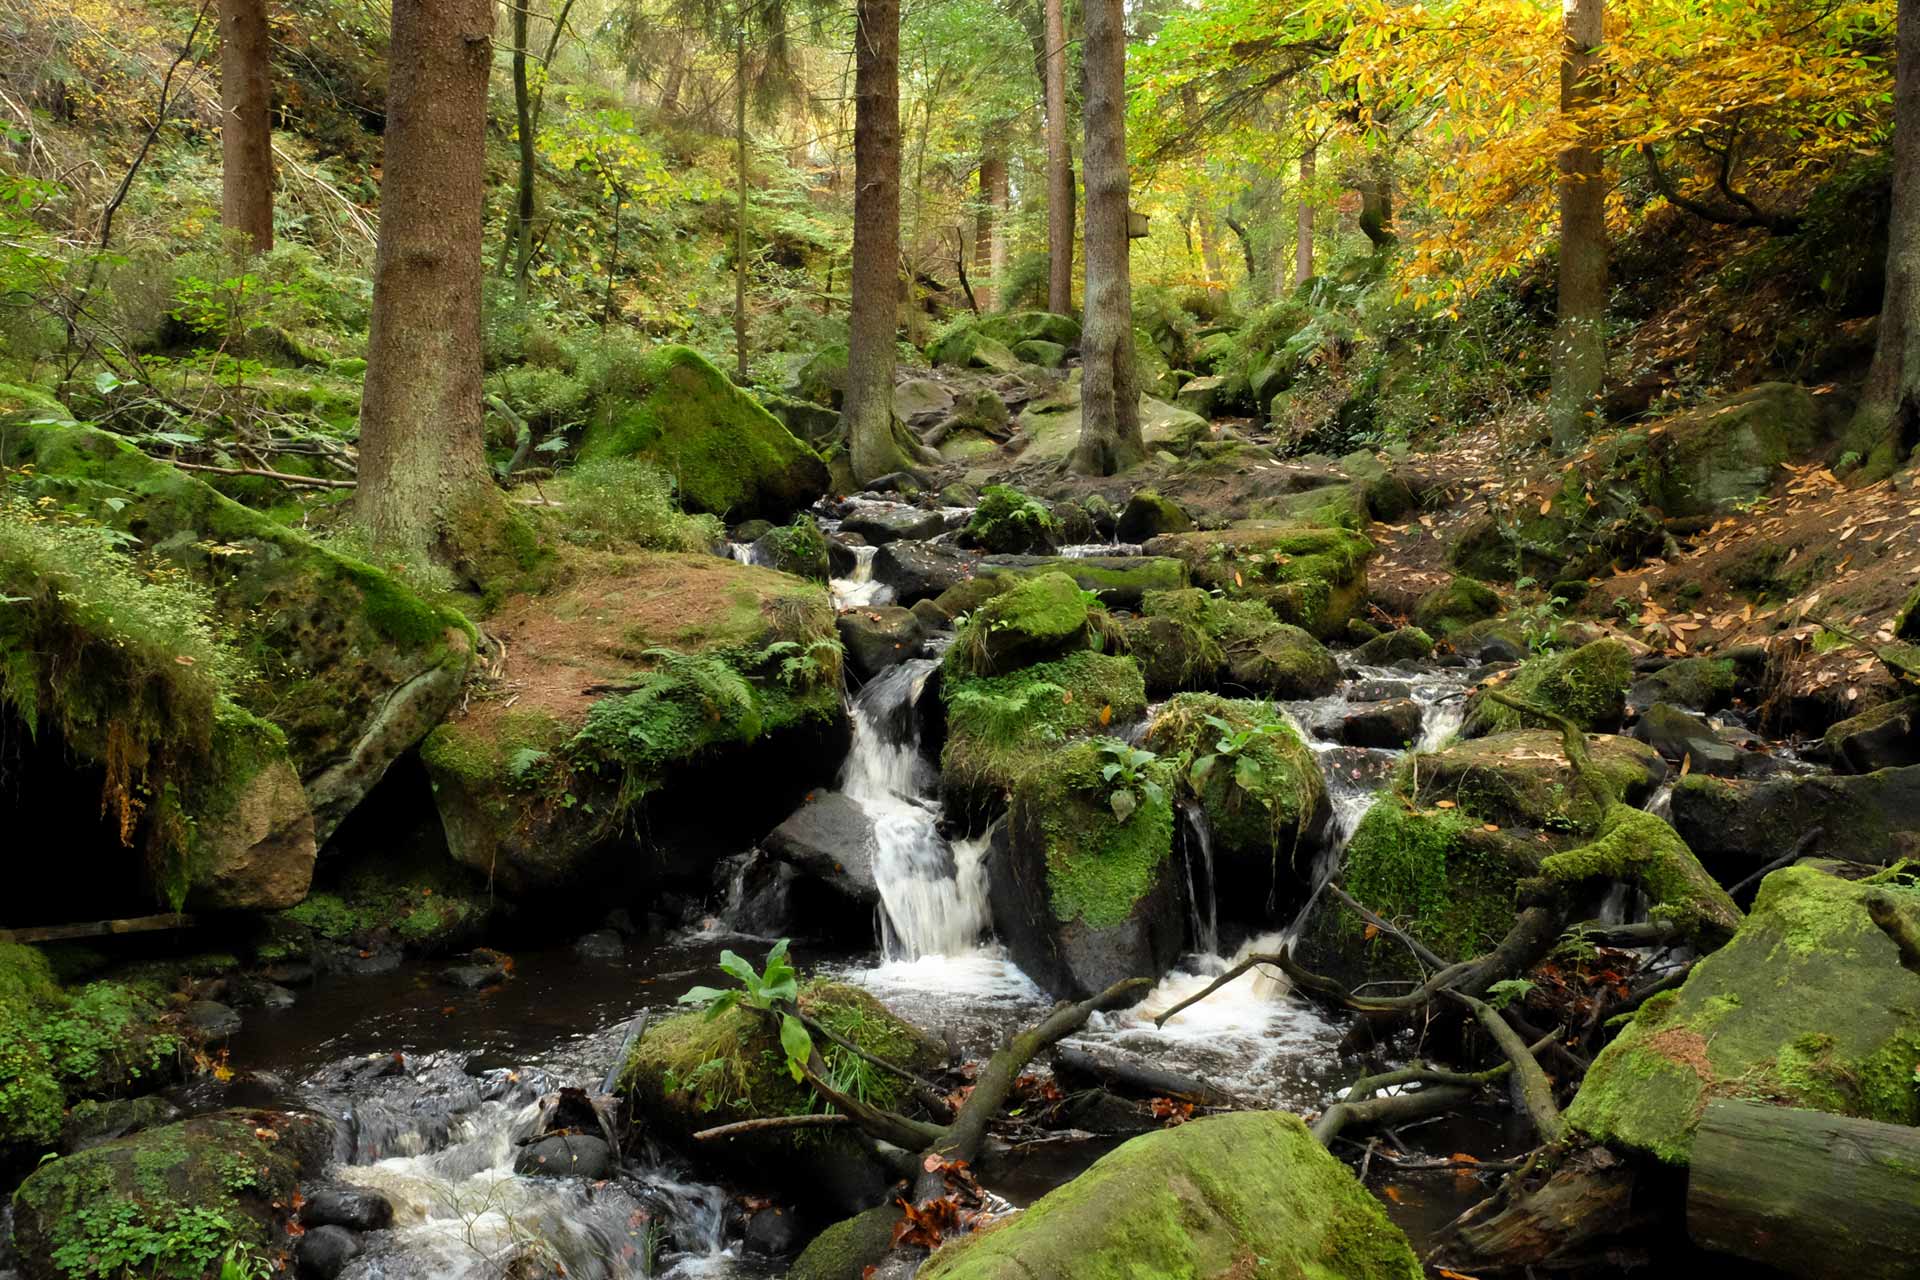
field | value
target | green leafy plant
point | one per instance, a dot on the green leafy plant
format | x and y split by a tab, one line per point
773	990
1503	993
1126	768
1232	747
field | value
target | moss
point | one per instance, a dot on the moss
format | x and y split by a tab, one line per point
1636	847
1261	811
1587	685
1744	1027
1461	601
1414	868
1311	576
1008	521
999	726
1098	866
848	1248
413	894
1037	618
1699	684
1241	1195
1521	779
799	548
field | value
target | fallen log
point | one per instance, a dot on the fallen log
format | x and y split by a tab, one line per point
1135	1078
1808	1193
98	928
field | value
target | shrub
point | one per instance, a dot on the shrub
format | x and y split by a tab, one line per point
624	502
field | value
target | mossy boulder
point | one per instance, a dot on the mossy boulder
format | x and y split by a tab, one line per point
1048	355
1807	1006
631	680
968	346
1732	450
799	548
1737	826
1227	1197
1446	609
1521	778
351	666
1285	662
1906	624
1148	514
1698	684
823	378
1403	644
1000	727
1085	891
1050	425
816	424
170	1201
1188	639
1009	522
1121	582
1638	848
1037	618
1885	737
691	1072
729	456
1265	801
848	1248
1587	685
1314	577
1032	326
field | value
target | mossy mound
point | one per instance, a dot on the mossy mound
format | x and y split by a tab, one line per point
1035	619
172	1201
1461	602
1587	685
1009	522
1032	326
642	666
730	456
410	893
1522	779
1737	826
1403	644
691	1072
1311	576
848	1248
1051	424
1265	801
1148	515
822	380
1635	847
969	346
1084	890
1698	684
1223	1198
1120	582
1807	1006
798	548
1188	639
999	727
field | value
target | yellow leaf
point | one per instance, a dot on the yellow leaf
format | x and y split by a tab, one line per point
1106	715
1443	804
1686	764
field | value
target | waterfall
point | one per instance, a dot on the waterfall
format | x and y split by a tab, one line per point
746	553
933	896
1440	720
1198	844
860	589
1660	803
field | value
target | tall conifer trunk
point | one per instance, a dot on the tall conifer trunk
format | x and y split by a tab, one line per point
1109	390
990	238
246	123
1059	166
1580	338
1303	220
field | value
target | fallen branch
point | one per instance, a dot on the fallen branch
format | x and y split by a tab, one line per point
1798	852
1392	1110
1412	943
930	1097
315	482
811	1120
1530	1085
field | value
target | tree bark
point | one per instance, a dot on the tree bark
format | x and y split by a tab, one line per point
522	222
1303	221
1109	390
1886	426
740	209
1376	206
1580	340
246	123
990	238
1209	243
1059	167
874	314
424	487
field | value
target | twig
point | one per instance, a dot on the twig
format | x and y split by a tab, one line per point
1393	1109
1799	851
931	1097
1413	944
1531	1088
315	482
159	122
811	1120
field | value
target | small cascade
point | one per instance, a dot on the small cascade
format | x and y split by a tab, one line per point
1203	906
1440	720
1085	550
933	896
1660	803
859	589
746	553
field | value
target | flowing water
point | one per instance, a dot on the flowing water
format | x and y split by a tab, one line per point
859	589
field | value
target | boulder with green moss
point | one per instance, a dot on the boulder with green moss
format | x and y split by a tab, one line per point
348	665
1521	779
1403	644
823	378
1228	1197
969	346
171	1201
1884	737
628	681
728	455
1148	515
1460	602
1285	662
1314	577
1737	826
849	1248
1009	522
1121	582
1048	355
1036	619
1698	684
1263	796
1587	685
1083	885
1746	1026
1050	425
691	1072
798	548
1032	326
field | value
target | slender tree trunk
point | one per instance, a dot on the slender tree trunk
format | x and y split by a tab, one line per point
740	211
1209	243
990	237
670	87
423	486
1109	392
1059	167
246	123
522	221
873	317
1303	220
1376	205
1580	340
1886	427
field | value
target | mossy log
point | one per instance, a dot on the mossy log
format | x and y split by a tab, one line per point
1807	1193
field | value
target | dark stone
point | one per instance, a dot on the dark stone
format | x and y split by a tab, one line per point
258	993
347	1207
293	973
772	1233
213	1020
1680	736
1736	826
840	558
1389	724
1378	690
830	840
91	1123
905	483
1499	649
475	974
324	1252
563	1155
1886	737
1147	515
879	636
932	616
752	530
922	570
880	525
601	944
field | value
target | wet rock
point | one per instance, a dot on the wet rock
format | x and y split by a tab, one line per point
771	1233
1286	662
1197	1201
981	760
830	839
1698	684
92	1122
212	1019
1736	826
920	398
1121	582
1491	641
1392	725
477	971
880	525
258	993
1460	603
841	560
1887	737
1378	690
848	1249
798	548
324	1252
347	1207
1147	515
1587	685
1009	522
601	944
1682	737
1408	644
1036	619
1312	576
566	1155
922	570
1522	779
879	636
932	616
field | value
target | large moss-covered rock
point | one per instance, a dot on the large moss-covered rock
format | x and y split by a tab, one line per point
691	1072
1032	326
822	380
170	1201
1521	778
1737	826
1808	1006
1035	619
627	681
728	455
352	668
1009	522
1051	425
1460	602
849	1248
1587	685
1085	892
1188	639
1228	1197
1265	802
969	346
1311	576
1698	684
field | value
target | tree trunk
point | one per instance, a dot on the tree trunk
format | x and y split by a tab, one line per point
246	123
1376	206
873	316
521	224
990	237
1303	221
1059	167
1886	427
740	210
670	87
1109	392
1806	1192
424	488
1580	340
1209	243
